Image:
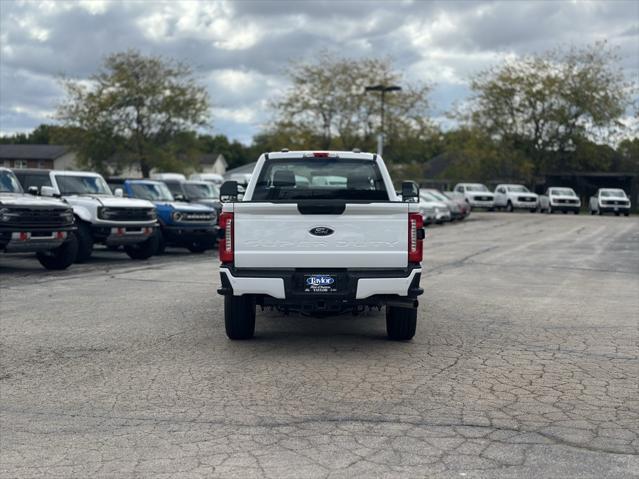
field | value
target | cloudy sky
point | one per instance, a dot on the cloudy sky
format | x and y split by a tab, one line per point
240	49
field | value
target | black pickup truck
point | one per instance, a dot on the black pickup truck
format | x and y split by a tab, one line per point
30	223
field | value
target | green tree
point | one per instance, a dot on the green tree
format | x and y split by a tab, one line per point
629	155
474	155
543	105
236	153
41	135
138	109
327	106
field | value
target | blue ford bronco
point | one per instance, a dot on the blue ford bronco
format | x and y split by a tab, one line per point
187	225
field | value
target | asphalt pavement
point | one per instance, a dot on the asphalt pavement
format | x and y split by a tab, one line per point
525	365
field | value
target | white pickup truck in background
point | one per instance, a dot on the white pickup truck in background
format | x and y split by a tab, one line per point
300	243
609	200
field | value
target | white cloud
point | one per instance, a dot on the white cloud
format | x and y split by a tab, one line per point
239	115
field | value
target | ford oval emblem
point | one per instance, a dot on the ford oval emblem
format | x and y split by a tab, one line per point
321	231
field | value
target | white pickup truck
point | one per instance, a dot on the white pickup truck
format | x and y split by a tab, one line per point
300	243
609	200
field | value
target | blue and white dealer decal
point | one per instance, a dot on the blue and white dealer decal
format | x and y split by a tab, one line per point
319	283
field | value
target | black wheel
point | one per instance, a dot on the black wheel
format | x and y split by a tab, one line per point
600	213
62	257
576	212
143	250
197	247
161	244
593	212
626	214
616	213
401	323
239	317
509	207
565	212
491	209
533	210
85	242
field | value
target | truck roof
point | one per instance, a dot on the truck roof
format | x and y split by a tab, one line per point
75	173
275	155
144	181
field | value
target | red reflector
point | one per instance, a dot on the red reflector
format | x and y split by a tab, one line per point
120	231
24	236
225	245
61	235
320	154
415	243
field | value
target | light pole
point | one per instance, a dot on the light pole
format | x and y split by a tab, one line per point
383	89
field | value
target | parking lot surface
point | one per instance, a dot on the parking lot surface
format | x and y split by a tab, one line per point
525	364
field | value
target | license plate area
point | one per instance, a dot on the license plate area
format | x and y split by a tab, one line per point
320	283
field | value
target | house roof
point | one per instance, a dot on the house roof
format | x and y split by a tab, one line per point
437	165
32	152
247	168
211	158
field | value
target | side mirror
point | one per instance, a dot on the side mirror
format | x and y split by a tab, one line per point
410	191
33	190
179	197
119	192
47	191
229	191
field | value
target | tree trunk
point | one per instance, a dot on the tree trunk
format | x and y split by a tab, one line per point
144	168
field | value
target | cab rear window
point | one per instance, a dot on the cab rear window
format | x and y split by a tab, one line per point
319	178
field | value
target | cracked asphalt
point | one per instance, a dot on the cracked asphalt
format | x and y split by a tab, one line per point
525	365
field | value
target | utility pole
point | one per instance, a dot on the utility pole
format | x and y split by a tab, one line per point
382	89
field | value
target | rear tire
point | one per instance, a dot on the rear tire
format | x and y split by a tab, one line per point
509	207
61	257
401	323
85	243
626	214
143	250
239	317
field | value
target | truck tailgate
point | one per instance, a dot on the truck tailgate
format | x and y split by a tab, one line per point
277	235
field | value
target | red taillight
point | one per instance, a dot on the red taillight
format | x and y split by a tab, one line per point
225	245
320	154
415	237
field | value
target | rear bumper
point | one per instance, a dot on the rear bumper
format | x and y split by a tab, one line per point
360	287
